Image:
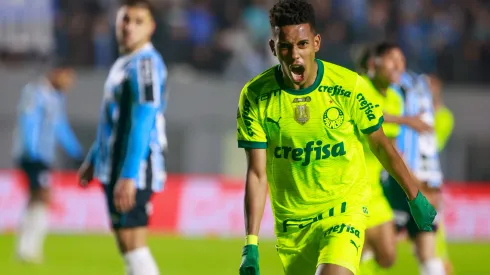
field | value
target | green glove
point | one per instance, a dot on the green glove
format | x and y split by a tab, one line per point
250	260
422	212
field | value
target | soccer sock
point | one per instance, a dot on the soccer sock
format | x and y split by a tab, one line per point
140	262
432	267
33	229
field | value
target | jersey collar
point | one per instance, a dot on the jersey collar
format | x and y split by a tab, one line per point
304	91
146	47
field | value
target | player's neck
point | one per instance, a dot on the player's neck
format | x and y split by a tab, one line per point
310	81
381	86
127	51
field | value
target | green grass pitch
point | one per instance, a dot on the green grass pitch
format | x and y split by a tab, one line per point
96	254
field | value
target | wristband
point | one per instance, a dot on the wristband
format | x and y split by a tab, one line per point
252	239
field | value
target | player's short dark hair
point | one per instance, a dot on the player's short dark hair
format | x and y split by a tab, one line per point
292	12
375	50
147	4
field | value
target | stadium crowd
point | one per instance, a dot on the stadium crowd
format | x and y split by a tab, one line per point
448	37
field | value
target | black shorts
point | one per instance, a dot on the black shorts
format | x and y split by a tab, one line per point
136	217
37	173
398	202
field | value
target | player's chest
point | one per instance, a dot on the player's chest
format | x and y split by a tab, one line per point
52	108
313	115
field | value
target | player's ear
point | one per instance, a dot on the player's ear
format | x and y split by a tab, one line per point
272	46
317	41
153	26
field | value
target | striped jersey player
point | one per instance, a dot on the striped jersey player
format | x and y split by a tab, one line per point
128	154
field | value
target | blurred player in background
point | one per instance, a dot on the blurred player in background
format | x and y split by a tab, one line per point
444	125
444	118
380	245
127	156
421	155
378	64
299	123
41	124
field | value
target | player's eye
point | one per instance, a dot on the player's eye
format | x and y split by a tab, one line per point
303	44
284	46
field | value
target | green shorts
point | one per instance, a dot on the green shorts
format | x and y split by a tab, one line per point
324	239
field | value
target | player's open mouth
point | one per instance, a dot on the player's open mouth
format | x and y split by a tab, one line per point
297	73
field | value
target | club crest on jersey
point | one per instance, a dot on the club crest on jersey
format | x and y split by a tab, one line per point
333	118
302	114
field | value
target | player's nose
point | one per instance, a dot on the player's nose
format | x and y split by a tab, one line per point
295	53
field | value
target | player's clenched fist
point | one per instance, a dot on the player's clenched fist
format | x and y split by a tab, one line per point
250	260
423	212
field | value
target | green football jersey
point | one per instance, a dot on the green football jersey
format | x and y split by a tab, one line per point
311	136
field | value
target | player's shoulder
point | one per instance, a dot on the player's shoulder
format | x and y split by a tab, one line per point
147	56
262	83
339	74
36	88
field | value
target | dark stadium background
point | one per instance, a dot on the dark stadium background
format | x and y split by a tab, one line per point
211	48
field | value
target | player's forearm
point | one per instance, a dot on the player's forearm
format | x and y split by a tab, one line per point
394	119
394	164
90	158
255	197
69	140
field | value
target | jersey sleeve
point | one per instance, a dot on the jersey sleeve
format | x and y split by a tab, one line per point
145	84
30	110
366	113
250	133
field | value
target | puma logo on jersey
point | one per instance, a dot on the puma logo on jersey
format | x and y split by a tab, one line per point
320	151
273	121
355	245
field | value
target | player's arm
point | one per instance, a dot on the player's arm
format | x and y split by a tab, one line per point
369	120
251	136
86	170
145	90
67	137
386	153
414	122
255	190
30	119
444	124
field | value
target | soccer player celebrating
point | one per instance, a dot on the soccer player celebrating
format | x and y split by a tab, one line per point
299	124
127	156
421	155
41	123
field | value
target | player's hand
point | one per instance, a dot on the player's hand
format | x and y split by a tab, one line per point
422	212
416	123
85	174
250	260
124	195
